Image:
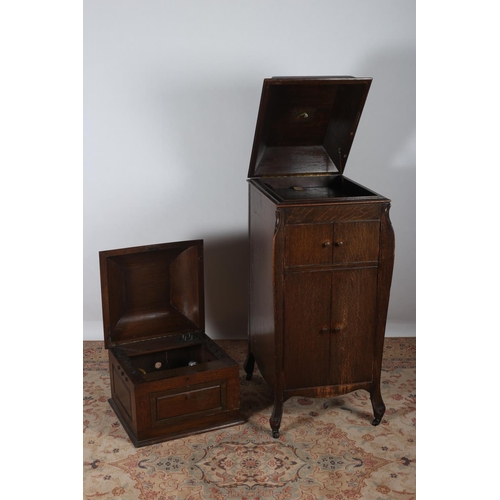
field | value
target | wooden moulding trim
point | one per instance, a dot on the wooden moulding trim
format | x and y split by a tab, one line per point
278	286
335	266
328	391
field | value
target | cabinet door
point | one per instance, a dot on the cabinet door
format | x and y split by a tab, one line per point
308	244
356	241
354	315
307	322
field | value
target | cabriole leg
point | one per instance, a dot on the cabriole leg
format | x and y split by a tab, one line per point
377	405
275	419
249	365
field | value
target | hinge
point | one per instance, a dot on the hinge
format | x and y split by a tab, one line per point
189	336
341	168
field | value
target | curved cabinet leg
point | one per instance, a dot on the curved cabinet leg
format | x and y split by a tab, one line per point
249	365
378	406
275	419
386	264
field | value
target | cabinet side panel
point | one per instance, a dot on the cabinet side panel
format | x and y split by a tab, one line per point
261	321
122	393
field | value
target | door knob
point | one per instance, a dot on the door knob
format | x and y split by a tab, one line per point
326	244
339	243
336	329
324	329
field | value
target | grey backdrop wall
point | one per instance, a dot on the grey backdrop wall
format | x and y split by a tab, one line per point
171	94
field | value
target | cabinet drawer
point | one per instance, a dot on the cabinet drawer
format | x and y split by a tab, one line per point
326	244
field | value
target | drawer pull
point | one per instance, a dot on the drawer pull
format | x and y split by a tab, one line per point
324	329
339	243
336	329
326	244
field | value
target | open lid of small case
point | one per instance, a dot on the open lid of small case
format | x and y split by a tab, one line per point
152	291
306	125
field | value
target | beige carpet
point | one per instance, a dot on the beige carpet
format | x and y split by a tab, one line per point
322	453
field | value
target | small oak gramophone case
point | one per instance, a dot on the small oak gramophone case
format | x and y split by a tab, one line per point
168	378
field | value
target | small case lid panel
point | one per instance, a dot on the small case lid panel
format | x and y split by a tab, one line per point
152	291
306	125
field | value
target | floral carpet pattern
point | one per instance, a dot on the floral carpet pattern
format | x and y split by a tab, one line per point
327	448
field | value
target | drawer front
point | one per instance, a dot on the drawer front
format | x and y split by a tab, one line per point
188	403
356	241
332	213
308	244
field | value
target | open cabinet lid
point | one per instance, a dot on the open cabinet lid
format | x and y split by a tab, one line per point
306	125
152	291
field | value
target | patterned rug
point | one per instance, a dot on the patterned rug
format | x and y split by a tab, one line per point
327	448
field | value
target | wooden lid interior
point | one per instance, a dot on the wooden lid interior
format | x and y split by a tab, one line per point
306	125
152	291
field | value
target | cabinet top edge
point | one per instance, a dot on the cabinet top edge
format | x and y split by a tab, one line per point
375	198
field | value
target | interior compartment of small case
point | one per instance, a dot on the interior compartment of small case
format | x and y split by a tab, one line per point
170	359
154	292
314	187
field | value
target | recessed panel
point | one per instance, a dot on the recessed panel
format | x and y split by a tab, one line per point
298	115
188	403
308	244
354	317
306	332
356	241
121	392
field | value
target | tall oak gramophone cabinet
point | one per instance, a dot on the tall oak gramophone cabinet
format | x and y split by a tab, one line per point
321	247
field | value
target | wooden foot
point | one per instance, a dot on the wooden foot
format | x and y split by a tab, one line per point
378	407
275	419
249	365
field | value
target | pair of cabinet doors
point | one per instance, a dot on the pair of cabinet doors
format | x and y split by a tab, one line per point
330	303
